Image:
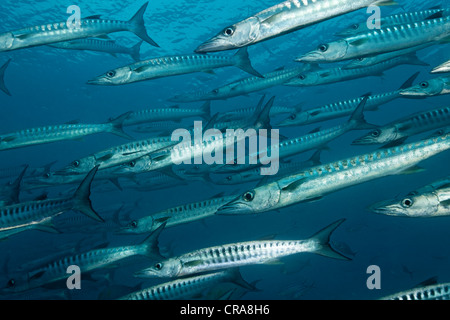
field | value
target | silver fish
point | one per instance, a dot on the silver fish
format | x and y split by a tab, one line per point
90	27
283	18
445	67
100	45
427	202
429	88
343	108
88	261
287	168
38	214
50	134
244	86
431	292
314	183
243	254
189	288
381	41
173	66
176	216
174	113
339	74
394	20
116	155
398	131
2	78
373	60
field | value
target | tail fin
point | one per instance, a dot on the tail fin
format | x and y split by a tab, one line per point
81	198
150	245
357	120
206	109
263	118
135	51
323	241
117	126
244	63
138	26
2	78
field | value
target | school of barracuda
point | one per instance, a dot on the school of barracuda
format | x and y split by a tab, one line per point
350	51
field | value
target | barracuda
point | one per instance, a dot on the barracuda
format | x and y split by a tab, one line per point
339	74
116	155
317	182
89	261
445	67
185	151
174	113
58	32
242	254
373	60
100	45
173	66
430	88
381	41
38	214
427	202
396	19
176	216
281	19
431	292
189	288
244	86
288	168
398	131
50	134
343	108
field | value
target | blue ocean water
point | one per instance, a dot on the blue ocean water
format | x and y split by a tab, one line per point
49	86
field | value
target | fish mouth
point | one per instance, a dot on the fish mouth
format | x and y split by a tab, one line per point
413	92
125	231
235	207
214	45
362	141
309	57
386	208
147	273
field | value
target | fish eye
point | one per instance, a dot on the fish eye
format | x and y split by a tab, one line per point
132	164
360	59
302	77
293	117
441	132
355	26
424	84
158	266
47	175
215	91
228	31
133	224
376	133
11	283
229	178
323	47
407	203
249	196
110	74
76	163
